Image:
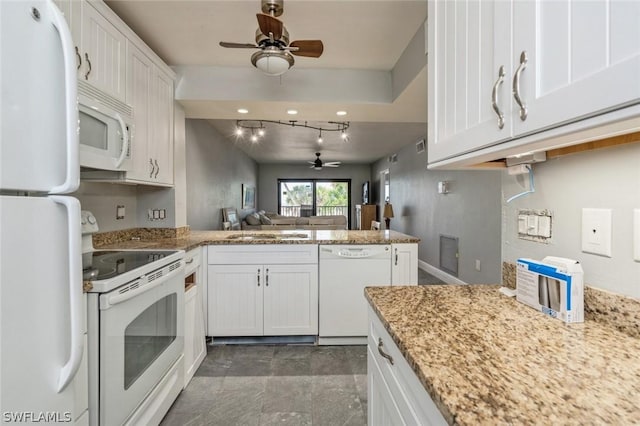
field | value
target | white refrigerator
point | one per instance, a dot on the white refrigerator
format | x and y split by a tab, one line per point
43	372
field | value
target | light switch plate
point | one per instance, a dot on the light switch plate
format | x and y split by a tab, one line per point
636	235
596	231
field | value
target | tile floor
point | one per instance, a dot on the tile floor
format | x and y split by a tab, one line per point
425	278
278	384
275	384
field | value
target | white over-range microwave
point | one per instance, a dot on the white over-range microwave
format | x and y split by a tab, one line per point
105	130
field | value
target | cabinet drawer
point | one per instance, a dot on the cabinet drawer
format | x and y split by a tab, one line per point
410	396
263	254
192	260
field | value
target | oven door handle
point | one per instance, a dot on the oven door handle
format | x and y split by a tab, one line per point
76	317
118	298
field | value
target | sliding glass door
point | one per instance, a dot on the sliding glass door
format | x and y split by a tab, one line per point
314	197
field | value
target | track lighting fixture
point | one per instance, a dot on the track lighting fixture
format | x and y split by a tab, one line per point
257	127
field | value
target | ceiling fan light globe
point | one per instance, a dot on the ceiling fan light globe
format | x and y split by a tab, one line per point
272	62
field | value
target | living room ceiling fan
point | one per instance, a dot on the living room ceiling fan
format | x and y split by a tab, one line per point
272	38
318	164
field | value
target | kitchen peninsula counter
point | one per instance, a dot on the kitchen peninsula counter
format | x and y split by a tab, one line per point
485	358
291	236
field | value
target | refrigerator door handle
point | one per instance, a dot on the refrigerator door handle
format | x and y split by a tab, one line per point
72	179
68	371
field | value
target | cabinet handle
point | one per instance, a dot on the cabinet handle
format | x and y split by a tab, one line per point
189	261
79	58
153	168
267	278
396	257
494	97
157	169
516	85
383	353
258	277
86	57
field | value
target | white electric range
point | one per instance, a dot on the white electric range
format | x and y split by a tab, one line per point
135	331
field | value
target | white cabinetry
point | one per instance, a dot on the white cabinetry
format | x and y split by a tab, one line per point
404	264
263	290
564	62
195	348
100	46
395	395
150	93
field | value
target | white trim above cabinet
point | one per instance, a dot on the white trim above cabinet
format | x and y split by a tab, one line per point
571	74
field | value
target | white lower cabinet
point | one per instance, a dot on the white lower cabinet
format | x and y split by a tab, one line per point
195	347
394	393
279	298
404	264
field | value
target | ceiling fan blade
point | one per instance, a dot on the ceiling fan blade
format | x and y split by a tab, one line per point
269	24
239	45
336	164
309	48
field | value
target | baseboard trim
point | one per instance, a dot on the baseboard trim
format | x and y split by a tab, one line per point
446	278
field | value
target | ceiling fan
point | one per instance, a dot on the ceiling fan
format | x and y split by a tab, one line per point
272	38
318	164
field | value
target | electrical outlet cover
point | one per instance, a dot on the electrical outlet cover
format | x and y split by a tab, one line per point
596	231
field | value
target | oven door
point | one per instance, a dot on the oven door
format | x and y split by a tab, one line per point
141	337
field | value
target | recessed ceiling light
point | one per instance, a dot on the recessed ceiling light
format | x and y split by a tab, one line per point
292	111
341	113
243	110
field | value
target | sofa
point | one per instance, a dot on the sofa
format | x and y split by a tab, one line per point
266	221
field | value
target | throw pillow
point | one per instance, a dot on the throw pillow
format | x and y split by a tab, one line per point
264	219
253	219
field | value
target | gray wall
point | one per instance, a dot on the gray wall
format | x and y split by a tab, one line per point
269	174
607	178
216	171
470	212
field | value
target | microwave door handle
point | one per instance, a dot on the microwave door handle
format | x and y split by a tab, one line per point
76	317
125	141
72	178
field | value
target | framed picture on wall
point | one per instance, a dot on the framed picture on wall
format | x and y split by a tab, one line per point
248	196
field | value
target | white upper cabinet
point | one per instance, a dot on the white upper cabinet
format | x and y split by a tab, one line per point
466	57
102	50
564	62
583	59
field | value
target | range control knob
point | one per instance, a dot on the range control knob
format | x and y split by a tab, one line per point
91	219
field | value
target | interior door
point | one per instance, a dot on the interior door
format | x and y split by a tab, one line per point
38	261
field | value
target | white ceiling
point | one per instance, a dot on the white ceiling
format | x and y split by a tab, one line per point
359	36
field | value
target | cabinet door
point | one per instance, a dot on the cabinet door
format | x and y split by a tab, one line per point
466	51
404	266
161	147
194	339
381	408
139	72
291	300
235	300
583	59
105	48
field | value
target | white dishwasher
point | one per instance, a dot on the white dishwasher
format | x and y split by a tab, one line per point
345	270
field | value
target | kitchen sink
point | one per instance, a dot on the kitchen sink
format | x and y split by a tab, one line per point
250	236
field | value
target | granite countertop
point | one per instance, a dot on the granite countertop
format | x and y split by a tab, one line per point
294	236
487	359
